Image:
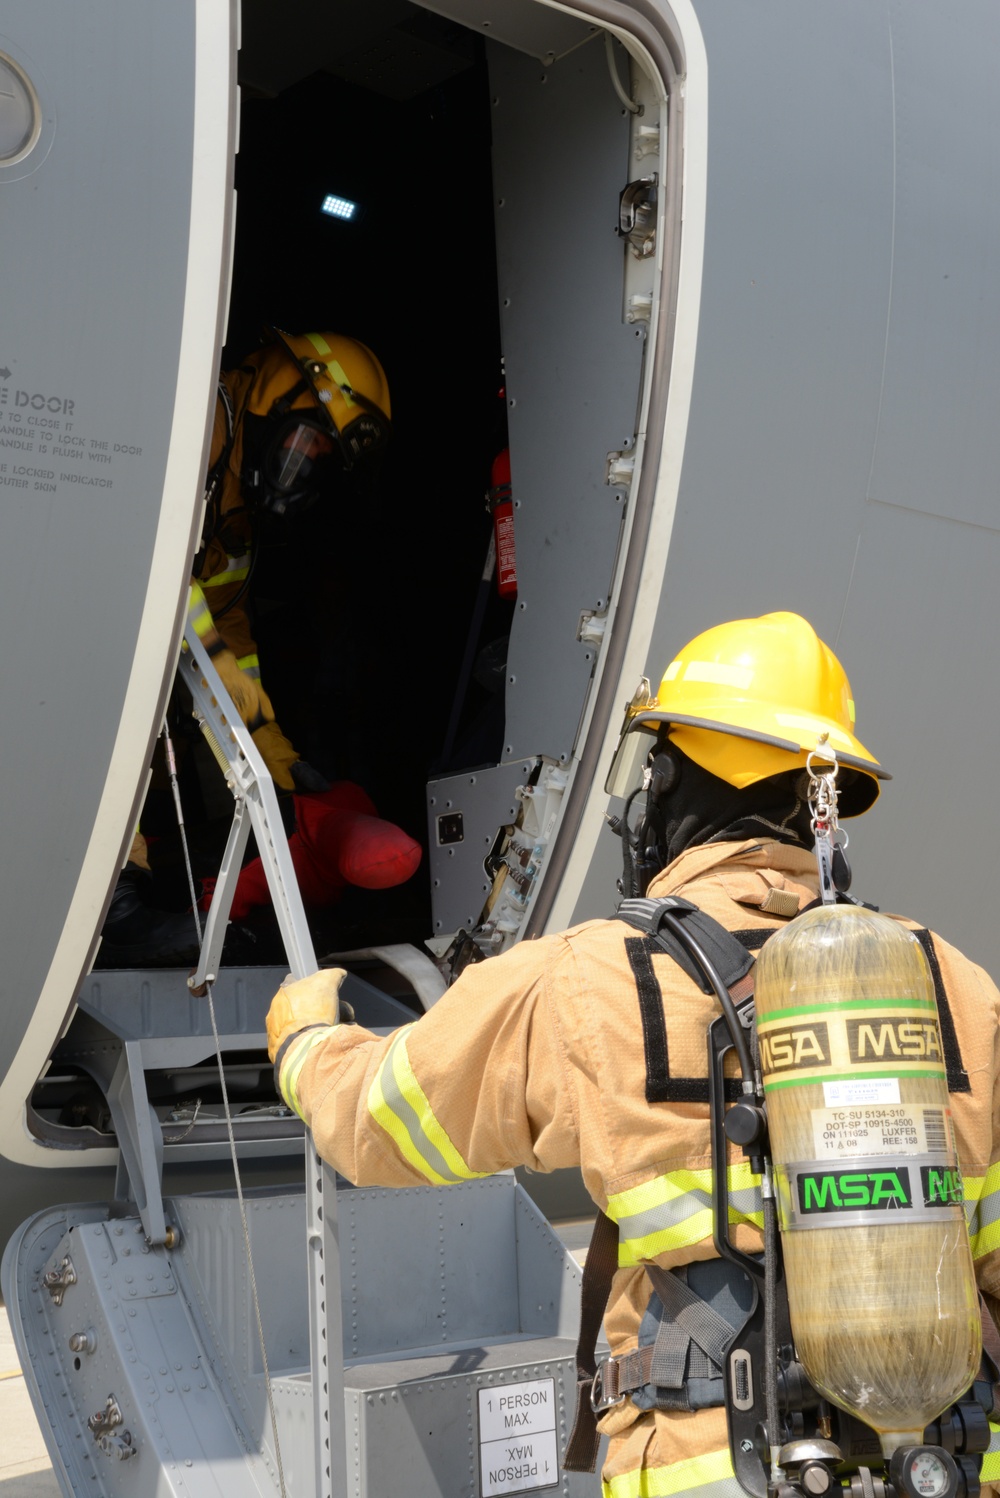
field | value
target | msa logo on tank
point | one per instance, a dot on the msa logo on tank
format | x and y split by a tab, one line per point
889	1037
815	1196
872	1041
795	1046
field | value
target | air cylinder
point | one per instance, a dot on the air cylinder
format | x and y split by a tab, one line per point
881	1289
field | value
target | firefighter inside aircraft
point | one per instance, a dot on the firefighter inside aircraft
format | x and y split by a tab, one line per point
293	419
336	588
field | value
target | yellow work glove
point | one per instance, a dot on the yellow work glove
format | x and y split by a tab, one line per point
301	1016
253	705
276	752
249	698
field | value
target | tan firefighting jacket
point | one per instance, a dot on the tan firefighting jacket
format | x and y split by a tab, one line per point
536	1058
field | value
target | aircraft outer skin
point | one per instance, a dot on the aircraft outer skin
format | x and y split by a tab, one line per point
826	444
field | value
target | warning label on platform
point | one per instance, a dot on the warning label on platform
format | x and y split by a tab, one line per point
905	1129
517	1437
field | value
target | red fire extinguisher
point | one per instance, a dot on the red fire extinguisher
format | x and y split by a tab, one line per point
502	506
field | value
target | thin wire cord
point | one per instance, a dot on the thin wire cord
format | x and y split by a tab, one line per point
630	104
172	768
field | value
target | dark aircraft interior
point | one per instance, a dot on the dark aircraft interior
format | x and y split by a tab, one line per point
363	607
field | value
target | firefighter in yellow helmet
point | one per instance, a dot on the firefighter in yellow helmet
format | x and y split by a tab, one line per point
296	414
588	1048
292	417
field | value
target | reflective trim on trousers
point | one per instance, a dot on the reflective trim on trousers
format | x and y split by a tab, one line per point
991	1460
982	1211
674	1211
398	1104
711	1476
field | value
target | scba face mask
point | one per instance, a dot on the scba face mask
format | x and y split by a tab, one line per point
299	462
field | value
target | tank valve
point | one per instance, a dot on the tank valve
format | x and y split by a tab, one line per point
810	1466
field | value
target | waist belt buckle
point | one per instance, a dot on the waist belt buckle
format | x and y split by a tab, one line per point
598	1400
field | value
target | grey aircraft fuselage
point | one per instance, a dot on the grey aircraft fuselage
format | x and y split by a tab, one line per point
784	397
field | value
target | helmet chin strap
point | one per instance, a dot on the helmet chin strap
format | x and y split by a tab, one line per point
643	847
686	806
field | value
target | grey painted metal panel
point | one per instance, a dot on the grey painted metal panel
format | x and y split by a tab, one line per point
146	1004
938	438
94	241
573	369
792	327
929	847
94	248
543	32
847	363
420	1435
447	1290
486	801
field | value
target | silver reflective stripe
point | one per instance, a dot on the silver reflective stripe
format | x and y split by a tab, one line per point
748	1202
665	1215
407	1115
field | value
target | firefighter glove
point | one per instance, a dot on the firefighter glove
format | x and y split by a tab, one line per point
302	1015
302	1005
278	754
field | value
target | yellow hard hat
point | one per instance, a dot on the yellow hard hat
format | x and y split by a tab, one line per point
753	698
339	376
304	404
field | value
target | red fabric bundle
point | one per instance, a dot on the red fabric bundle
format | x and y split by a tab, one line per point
339	839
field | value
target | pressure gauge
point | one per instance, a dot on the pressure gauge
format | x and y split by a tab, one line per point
928	1475
924	1472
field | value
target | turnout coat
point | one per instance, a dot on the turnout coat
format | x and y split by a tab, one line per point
536	1058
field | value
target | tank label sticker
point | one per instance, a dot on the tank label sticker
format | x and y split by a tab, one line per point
872	1190
909	1129
517	1437
861	1090
809	1044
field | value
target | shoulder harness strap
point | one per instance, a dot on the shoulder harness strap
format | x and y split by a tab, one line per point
729	951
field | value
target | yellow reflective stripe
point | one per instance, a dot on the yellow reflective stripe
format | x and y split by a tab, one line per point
234	574
982	1211
342	382
334	369
399	1105
251	665
199	613
659	1482
991	1460
293	1061
674	1211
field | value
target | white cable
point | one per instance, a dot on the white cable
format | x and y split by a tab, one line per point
609	48
172	769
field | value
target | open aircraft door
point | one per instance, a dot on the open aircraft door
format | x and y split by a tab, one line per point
117	137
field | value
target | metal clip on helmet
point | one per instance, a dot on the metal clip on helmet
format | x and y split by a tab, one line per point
324	397
747	700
